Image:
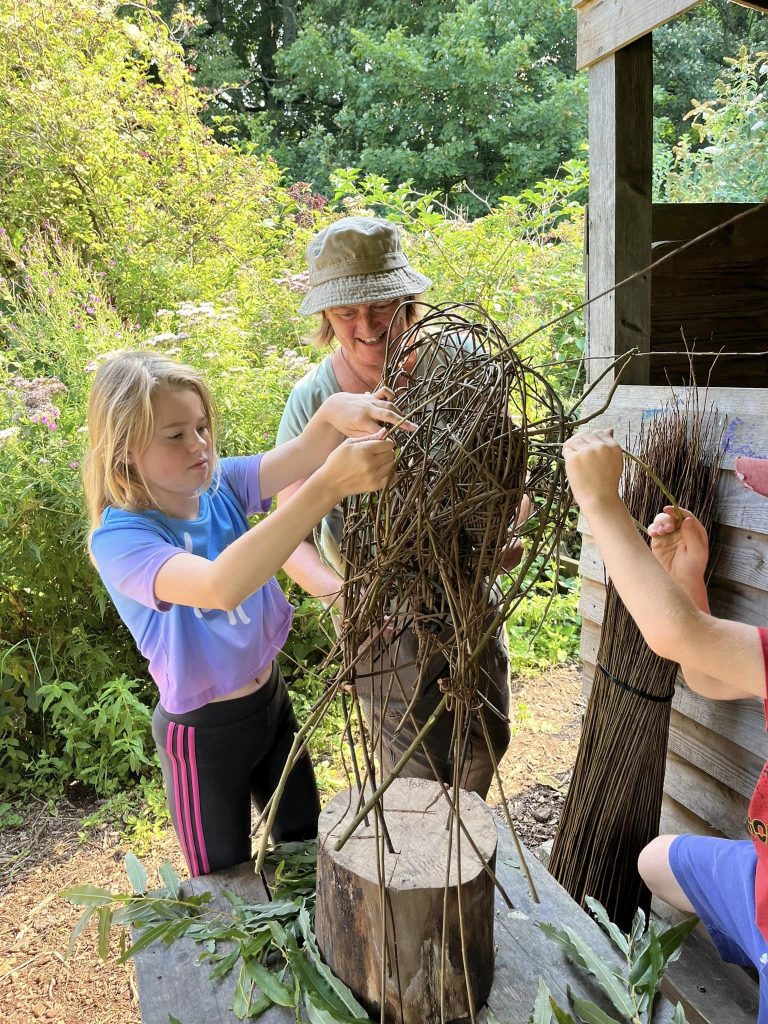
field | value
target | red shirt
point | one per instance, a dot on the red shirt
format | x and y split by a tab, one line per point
757	821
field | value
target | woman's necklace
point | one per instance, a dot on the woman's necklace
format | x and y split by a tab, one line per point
353	371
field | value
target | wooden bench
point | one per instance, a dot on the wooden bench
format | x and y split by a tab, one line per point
171	981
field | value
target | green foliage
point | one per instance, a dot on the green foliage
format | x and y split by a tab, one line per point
544	630
101	143
689	55
117	724
468	92
140	813
444	94
9	816
194	251
647	953
725	156
272	945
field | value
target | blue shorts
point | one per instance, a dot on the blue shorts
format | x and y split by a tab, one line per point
718	877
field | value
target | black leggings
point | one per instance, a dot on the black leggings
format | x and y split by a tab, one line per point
217	759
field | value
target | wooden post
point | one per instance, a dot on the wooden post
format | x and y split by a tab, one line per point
350	923
619	227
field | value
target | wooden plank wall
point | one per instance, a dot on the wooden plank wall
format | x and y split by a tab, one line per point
716	748
713	296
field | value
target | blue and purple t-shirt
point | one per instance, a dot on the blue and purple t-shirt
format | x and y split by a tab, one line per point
194	654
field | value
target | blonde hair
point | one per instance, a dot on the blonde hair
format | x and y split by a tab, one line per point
121	420
323	336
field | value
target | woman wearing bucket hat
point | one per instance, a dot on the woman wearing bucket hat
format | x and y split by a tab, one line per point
724	881
364	290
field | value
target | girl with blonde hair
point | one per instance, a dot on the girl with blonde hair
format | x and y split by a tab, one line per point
194	584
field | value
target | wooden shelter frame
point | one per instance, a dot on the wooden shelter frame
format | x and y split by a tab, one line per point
716	293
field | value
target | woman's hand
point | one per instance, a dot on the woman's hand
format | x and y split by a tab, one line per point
680	544
512	553
363	415
360	465
593	464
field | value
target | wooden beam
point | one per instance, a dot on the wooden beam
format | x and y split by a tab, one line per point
605	26
620	208
756	5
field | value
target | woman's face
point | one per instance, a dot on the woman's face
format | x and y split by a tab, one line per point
361	330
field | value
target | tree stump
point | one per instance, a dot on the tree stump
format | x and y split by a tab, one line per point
351	927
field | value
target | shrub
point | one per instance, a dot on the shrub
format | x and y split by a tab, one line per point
124	225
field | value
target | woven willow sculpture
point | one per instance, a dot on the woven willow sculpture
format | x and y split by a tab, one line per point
427	552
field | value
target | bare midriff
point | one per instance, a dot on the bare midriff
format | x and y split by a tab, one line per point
254	684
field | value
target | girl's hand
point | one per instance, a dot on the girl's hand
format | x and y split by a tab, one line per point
360	465
593	464
363	415
680	544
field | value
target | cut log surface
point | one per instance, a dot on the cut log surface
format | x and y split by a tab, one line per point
420	959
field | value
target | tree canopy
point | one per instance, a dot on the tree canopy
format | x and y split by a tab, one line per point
474	91
453	92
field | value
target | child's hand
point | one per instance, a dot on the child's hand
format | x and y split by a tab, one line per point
362	415
680	544
361	464
593	464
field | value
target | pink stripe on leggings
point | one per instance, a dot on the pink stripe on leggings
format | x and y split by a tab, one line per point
196	802
175	747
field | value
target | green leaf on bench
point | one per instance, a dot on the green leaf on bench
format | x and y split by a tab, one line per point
147	937
619	938
589	1013
561	1016
542	1011
269	984
225	964
171	879
578	951
670	941
342	991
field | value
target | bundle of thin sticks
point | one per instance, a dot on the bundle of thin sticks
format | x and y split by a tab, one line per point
613	805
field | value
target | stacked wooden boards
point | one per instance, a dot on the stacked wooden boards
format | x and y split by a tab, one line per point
716	749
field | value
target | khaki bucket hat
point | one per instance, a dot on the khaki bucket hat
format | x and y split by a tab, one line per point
358	260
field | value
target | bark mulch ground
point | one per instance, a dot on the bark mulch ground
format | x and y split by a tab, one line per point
51	851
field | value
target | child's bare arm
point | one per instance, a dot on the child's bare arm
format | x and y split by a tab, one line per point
305	566
342	415
355	467
670	621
